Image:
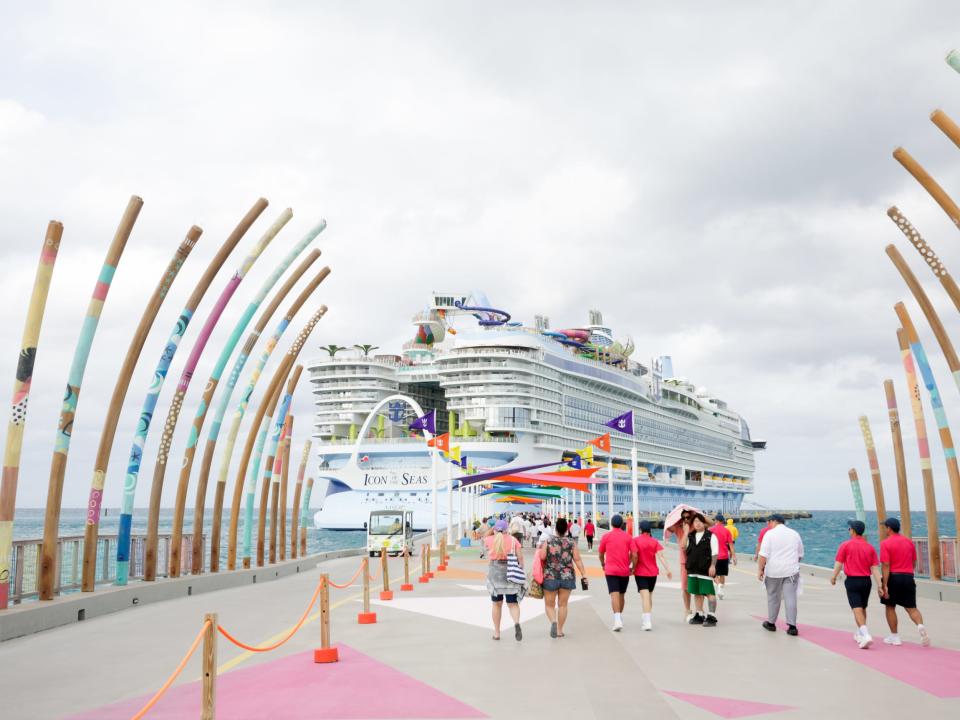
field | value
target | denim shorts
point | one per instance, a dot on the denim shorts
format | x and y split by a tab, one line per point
553	585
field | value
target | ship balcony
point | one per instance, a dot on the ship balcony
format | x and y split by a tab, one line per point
412	441
354	359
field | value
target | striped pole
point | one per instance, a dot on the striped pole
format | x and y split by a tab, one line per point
238	414
21	397
272	392
874	473
305	516
245	351
857	495
46	581
946	438
898	457
144	420
105	447
298	490
186	465
923	446
176	405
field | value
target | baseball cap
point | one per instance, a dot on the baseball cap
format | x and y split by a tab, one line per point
892	523
616	521
719	517
777	517
500	526
491	522
645	526
857	526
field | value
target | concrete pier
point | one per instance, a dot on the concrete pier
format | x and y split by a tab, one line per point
430	654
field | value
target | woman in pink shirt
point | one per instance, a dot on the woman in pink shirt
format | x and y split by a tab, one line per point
499	546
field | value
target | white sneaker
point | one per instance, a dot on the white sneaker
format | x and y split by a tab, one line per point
924	638
617	624
647	624
688	618
893	640
865	641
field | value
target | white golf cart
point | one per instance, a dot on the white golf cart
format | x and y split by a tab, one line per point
390	531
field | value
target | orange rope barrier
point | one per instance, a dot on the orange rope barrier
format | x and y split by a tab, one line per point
277	644
350	581
175	675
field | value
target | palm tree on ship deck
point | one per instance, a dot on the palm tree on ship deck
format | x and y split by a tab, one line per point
332	350
367	349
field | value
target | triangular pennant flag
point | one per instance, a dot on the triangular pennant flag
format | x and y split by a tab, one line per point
622	423
463	461
602	442
454	454
440	442
426	422
587	453
575	463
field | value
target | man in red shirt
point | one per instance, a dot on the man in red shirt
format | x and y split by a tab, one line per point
614	555
859	562
645	552
726	554
589	530
898	557
763	531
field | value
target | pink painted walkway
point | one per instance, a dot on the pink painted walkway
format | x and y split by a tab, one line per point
295	688
728	707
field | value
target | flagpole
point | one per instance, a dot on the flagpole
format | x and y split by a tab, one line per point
449	502
433	498
635	489
610	486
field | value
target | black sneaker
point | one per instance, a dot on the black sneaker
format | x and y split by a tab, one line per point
697	619
792	630
767	625
711	621
517	632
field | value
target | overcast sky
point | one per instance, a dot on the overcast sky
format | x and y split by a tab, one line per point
713	177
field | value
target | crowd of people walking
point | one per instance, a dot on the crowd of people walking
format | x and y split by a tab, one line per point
707	549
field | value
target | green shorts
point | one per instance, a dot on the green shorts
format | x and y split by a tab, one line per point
699	586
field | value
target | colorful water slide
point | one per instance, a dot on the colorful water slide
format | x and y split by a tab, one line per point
485	315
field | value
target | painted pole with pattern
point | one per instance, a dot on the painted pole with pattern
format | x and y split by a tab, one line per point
857	495
46	580
874	473
207	459
271	471
91	529
271	393
923	447
145	418
21	397
241	409
898	458
305	516
284	478
932	260
176	405
297	494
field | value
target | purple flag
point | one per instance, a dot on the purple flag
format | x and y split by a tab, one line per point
575	463
426	422
463	461
622	423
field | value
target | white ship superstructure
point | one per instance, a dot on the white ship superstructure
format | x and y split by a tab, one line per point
513	396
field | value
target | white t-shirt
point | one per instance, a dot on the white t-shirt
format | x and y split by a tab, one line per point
783	549
548	532
714	545
574	531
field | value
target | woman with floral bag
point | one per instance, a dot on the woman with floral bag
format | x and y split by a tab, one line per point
559	555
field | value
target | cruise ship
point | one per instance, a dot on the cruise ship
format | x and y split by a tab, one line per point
513	395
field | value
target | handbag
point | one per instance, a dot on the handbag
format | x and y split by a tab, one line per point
515	573
536	590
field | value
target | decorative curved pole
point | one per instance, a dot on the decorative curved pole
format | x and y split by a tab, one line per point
926	252
271	470
145	418
946	438
946	125
241	410
107	434
953	60
284	478
272	391
929	184
207	460
874	473
304	516
295	514
186	465
173	414
902	491
277	505
46	581
939	332
252	474
923	445
857	495
21	397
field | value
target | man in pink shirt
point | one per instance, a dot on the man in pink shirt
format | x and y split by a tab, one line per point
858	560
614	552
898	557
726	554
645	552
763	531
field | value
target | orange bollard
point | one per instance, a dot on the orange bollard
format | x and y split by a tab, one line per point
386	593
325	653
366	617
406	586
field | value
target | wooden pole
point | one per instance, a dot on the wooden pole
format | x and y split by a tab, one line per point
274	387
46	582
173	416
902	491
213	382
145	419
238	414
366	617
923	445
406	586
208	697
206	461
304	516
927	182
325	653
284	477
21	396
295	514
386	593
274	498
857	495
251	488
948	126
874	474
105	447
936	265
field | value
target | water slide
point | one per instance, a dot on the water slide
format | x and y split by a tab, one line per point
487	316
